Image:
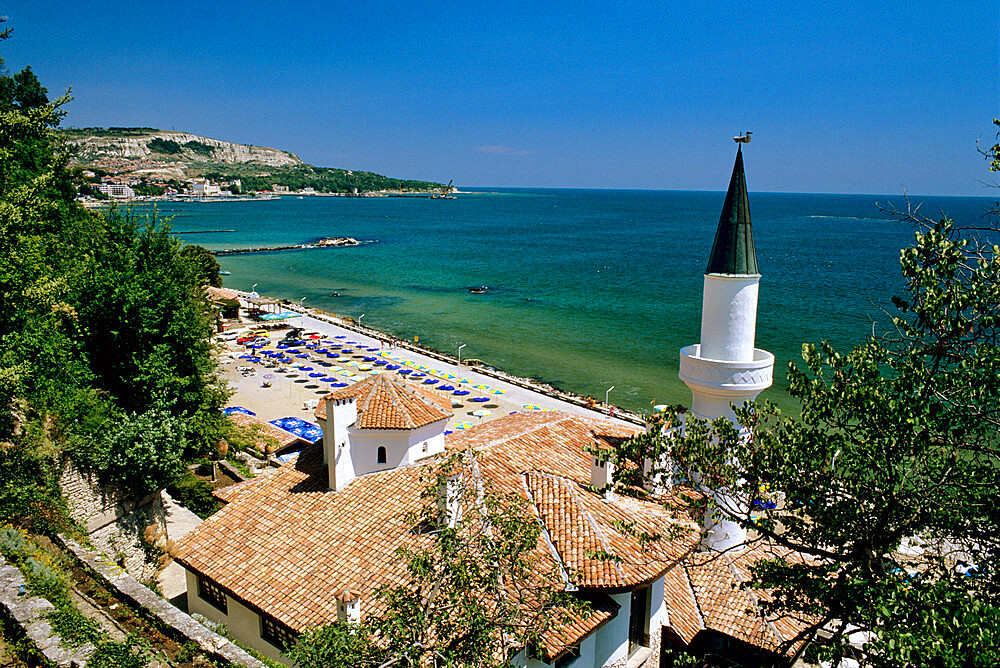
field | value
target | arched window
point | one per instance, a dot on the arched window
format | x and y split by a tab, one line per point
380	455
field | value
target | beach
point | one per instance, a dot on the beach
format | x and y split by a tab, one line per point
487	394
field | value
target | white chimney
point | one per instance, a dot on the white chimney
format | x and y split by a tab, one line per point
450	499
349	606
602	474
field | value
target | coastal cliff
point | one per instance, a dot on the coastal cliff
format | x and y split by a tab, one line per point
148	153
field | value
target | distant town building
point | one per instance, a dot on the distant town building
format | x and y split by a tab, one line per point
204	188
279	189
116	190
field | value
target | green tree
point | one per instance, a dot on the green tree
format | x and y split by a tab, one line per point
887	481
209	271
476	590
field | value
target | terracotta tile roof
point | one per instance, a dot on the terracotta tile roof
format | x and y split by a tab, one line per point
287	545
264	431
726	604
386	402
596	540
683	615
217	294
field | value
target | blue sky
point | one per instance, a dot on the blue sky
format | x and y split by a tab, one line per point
855	97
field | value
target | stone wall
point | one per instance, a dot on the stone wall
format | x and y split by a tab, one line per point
116	523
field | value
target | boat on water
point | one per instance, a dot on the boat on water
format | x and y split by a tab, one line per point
478	289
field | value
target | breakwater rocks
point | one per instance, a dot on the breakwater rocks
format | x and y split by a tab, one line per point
325	242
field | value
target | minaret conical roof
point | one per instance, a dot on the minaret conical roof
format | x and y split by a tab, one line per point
733	252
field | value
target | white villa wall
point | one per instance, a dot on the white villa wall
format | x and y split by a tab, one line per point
403	447
336	436
611	640
242	622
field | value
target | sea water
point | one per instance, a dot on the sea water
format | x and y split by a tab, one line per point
587	289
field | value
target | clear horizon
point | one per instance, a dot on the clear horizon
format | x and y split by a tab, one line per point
845	99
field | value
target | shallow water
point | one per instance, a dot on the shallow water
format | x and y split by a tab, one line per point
587	288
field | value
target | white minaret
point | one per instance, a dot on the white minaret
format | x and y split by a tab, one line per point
725	368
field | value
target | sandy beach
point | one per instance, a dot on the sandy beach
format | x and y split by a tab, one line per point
292	392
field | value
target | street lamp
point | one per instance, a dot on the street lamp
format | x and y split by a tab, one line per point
359	319
300	301
607	393
460	353
253	287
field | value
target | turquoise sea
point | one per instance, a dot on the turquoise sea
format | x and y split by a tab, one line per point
588	289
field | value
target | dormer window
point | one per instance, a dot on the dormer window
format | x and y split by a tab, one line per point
380	455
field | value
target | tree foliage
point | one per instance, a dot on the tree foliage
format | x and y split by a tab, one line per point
476	591
102	318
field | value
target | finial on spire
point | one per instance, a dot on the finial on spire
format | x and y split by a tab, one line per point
743	138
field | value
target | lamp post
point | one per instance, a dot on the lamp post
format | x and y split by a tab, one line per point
300	302
359	319
460	353
253	287
606	393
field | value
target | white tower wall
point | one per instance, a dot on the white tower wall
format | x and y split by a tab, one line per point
729	316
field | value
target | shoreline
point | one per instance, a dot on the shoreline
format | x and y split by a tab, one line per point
529	384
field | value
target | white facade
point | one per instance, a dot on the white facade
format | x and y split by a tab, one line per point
203	188
350	452
244	624
116	190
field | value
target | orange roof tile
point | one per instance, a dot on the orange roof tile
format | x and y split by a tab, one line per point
286	545
385	402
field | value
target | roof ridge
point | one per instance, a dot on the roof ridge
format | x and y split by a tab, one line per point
562	417
753	599
593	525
400	406
545	531
694	596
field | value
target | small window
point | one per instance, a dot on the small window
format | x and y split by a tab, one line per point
276	633
211	592
380	455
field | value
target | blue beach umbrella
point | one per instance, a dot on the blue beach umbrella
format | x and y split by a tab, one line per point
305	368
246	357
479	399
346	351
463	425
391	367
446	388
418	374
237	409
460	393
302	356
448	431
281	346
431	381
340	337
341	384
498	391
316	374
403	372
380	362
369	358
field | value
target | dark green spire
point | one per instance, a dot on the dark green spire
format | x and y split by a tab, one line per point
733	252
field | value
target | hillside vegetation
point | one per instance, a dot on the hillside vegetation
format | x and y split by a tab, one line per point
166	154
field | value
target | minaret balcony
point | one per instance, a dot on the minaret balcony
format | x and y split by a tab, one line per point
725	376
